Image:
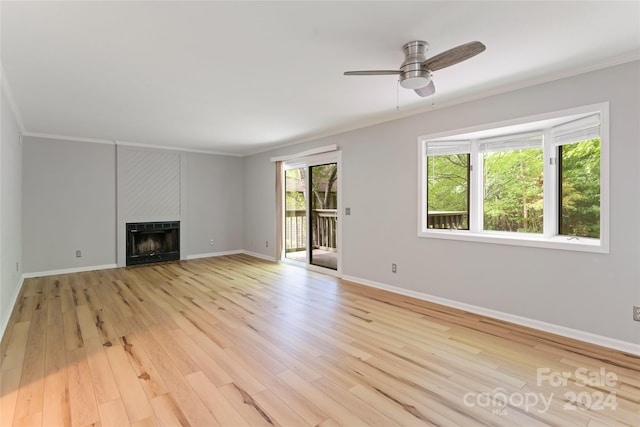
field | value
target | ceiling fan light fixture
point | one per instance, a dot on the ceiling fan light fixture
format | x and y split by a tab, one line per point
415	79
415	71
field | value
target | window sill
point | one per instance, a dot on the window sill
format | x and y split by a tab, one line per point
568	243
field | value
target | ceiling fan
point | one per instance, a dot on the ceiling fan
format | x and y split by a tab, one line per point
415	71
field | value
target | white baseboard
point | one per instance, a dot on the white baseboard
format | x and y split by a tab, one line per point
69	270
214	254
628	347
240	251
258	255
7	315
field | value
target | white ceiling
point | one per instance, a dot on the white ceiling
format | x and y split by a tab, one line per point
240	77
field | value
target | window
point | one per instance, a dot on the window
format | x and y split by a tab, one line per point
535	182
512	183
448	185
578	153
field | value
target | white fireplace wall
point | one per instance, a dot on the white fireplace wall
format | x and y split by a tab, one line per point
148	183
150	188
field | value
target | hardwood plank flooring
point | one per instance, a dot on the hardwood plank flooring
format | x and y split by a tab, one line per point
235	341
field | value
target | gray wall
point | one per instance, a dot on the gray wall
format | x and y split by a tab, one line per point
259	204
68	204
10	211
583	291
214	204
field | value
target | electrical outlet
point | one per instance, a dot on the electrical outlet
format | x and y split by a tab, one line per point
78	254
266	243
347	211
211	242
394	268
636	313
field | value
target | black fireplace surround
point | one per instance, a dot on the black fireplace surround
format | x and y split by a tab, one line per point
149	242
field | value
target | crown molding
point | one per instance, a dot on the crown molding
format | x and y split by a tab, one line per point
123	143
68	138
173	148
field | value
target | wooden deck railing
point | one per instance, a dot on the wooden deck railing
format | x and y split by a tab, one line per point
325	223
295	230
325	227
446	220
324	231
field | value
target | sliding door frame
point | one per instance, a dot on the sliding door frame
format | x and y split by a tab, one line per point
306	162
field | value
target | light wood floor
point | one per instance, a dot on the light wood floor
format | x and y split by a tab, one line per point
239	341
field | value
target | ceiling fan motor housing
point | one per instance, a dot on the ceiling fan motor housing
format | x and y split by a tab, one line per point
412	74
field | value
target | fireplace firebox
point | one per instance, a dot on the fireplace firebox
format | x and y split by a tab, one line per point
149	242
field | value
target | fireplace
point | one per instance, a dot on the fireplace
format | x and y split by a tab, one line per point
153	242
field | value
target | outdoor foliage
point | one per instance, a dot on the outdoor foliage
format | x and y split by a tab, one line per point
448	185
323	187
513	188
581	189
294	189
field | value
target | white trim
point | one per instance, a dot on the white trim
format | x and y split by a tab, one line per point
340	215
567	243
313	160
124	143
173	148
14	300
69	270
605	178
306	153
68	138
258	255
625	346
549	186
213	254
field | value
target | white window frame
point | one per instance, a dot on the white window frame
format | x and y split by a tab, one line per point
549	238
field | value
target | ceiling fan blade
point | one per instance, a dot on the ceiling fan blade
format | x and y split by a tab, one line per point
453	56
371	73
429	89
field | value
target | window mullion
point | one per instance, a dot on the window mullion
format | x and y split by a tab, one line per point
476	190
550	188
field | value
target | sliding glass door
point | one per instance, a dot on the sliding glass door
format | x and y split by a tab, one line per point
295	214
324	216
311	212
